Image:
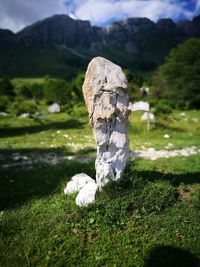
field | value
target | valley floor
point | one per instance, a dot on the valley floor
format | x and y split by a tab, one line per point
150	218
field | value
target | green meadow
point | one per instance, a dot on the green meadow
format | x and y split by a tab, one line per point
148	219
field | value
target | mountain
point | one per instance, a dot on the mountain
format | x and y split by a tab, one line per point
60	45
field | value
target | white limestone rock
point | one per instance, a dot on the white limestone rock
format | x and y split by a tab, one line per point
24	115
3	114
87	194
166	136
54	108
105	91
77	182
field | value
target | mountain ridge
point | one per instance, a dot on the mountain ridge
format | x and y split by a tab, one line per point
59	43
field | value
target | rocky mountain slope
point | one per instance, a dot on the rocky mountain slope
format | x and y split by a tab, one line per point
60	45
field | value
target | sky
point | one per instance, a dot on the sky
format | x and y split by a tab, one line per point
16	14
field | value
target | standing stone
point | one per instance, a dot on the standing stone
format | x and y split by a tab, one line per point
105	91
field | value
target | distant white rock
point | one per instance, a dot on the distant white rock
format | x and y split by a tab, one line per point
54	108
24	115
77	182
153	154
182	114
151	149
141	105
169	145
167	136
145	116
87	194
3	114
195	119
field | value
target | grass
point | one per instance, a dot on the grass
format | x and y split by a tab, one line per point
149	219
17	81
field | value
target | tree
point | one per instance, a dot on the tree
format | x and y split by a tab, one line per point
56	90
135	81
23	90
158	84
182	71
6	87
75	87
37	91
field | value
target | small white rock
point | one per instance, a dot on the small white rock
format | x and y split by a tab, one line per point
169	145
77	182
3	114
167	136
195	119
24	115
54	108
151	149
87	194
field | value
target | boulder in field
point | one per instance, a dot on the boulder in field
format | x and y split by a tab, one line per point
54	108
105	91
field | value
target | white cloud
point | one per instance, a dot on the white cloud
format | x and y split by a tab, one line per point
197	9
101	11
15	14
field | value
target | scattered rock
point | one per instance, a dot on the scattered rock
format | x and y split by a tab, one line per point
195	119
169	146
182	114
153	154
3	114
24	115
77	182
25	162
166	136
87	194
145	116
151	149
54	108
105	90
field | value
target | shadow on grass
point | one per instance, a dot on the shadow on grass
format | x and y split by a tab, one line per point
8	153
169	256
17	131
174	179
19	184
161	125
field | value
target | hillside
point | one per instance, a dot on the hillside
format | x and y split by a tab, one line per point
60	45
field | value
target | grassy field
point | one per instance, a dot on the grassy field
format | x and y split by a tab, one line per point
149	219
17	81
